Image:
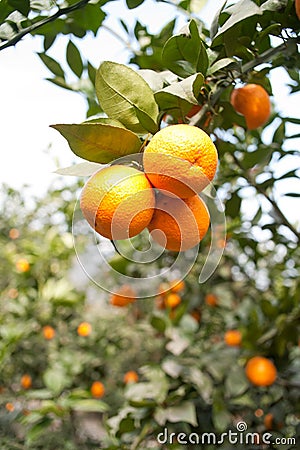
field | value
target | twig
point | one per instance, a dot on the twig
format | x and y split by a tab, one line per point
35	26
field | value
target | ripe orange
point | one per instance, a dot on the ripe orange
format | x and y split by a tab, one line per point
172	300
196	314
177	286
9	407
14	233
118	202
269	421
48	332
124	296
181	159
26	381
233	338
261	371
177	224
84	329
13	293
253	101
22	265
130	377
297	6
97	389
211	299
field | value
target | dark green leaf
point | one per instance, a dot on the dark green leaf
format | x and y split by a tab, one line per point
88	18
158	323
99	142
133	3
52	65
91	72
292	194
23	6
233	205
185	54
74	59
238	12
124	95
38	429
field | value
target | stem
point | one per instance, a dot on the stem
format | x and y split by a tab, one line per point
276	208
39	24
121	39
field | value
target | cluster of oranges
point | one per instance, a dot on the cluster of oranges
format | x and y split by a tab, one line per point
178	163
169	295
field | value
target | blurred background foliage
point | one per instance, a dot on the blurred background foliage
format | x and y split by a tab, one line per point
189	378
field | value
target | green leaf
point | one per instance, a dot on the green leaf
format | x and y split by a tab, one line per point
236	383
233	205
55	379
52	65
185	54
89	405
124	95
23	6
74	59
238	12
158	323
187	89
220	64
5	10
185	412
133	3
88	18
98	142
38	429
292	194
84	169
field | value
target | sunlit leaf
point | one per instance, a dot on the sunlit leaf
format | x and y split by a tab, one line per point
74	59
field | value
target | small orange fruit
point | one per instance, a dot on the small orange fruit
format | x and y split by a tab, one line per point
26	381
48	332
9	407
177	224
130	377
211	299
180	159
160	302
118	202
124	296
172	300
177	286
97	389
13	293
269	421
253	101
84	329
260	371
297	6
14	233
22	265
196	314
258	412
233	338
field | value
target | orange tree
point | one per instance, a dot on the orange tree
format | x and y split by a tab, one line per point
196	383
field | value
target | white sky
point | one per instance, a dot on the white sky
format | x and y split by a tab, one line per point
29	103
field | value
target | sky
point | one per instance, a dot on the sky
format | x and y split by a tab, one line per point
30	149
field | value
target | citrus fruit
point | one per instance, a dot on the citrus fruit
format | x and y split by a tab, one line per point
233	338
181	159
118	202
172	300
177	285
97	389
26	381
130	377
124	296
14	233
211	299
253	102
178	224
84	329
48	332
297	6
261	371
10	407
22	265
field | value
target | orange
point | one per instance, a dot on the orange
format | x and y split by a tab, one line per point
177	285
181	159
269	421
14	233
9	407
233	338
253	101
22	265
84	329
177	224
297	6
26	381
118	202
196	314
172	300
261	371
124	296
13	293
259	412
97	389
211	299
130	377
48	332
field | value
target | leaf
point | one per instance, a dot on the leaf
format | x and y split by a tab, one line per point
23	6
158	323
37	430
124	95
292	194
84	169
90	405
238	12
185	54
74	59
133	3
55	379
233	205
236	383
274	5
52	65
187	89
186	412
99	142
220	64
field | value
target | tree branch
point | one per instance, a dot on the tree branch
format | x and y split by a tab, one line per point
35	26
